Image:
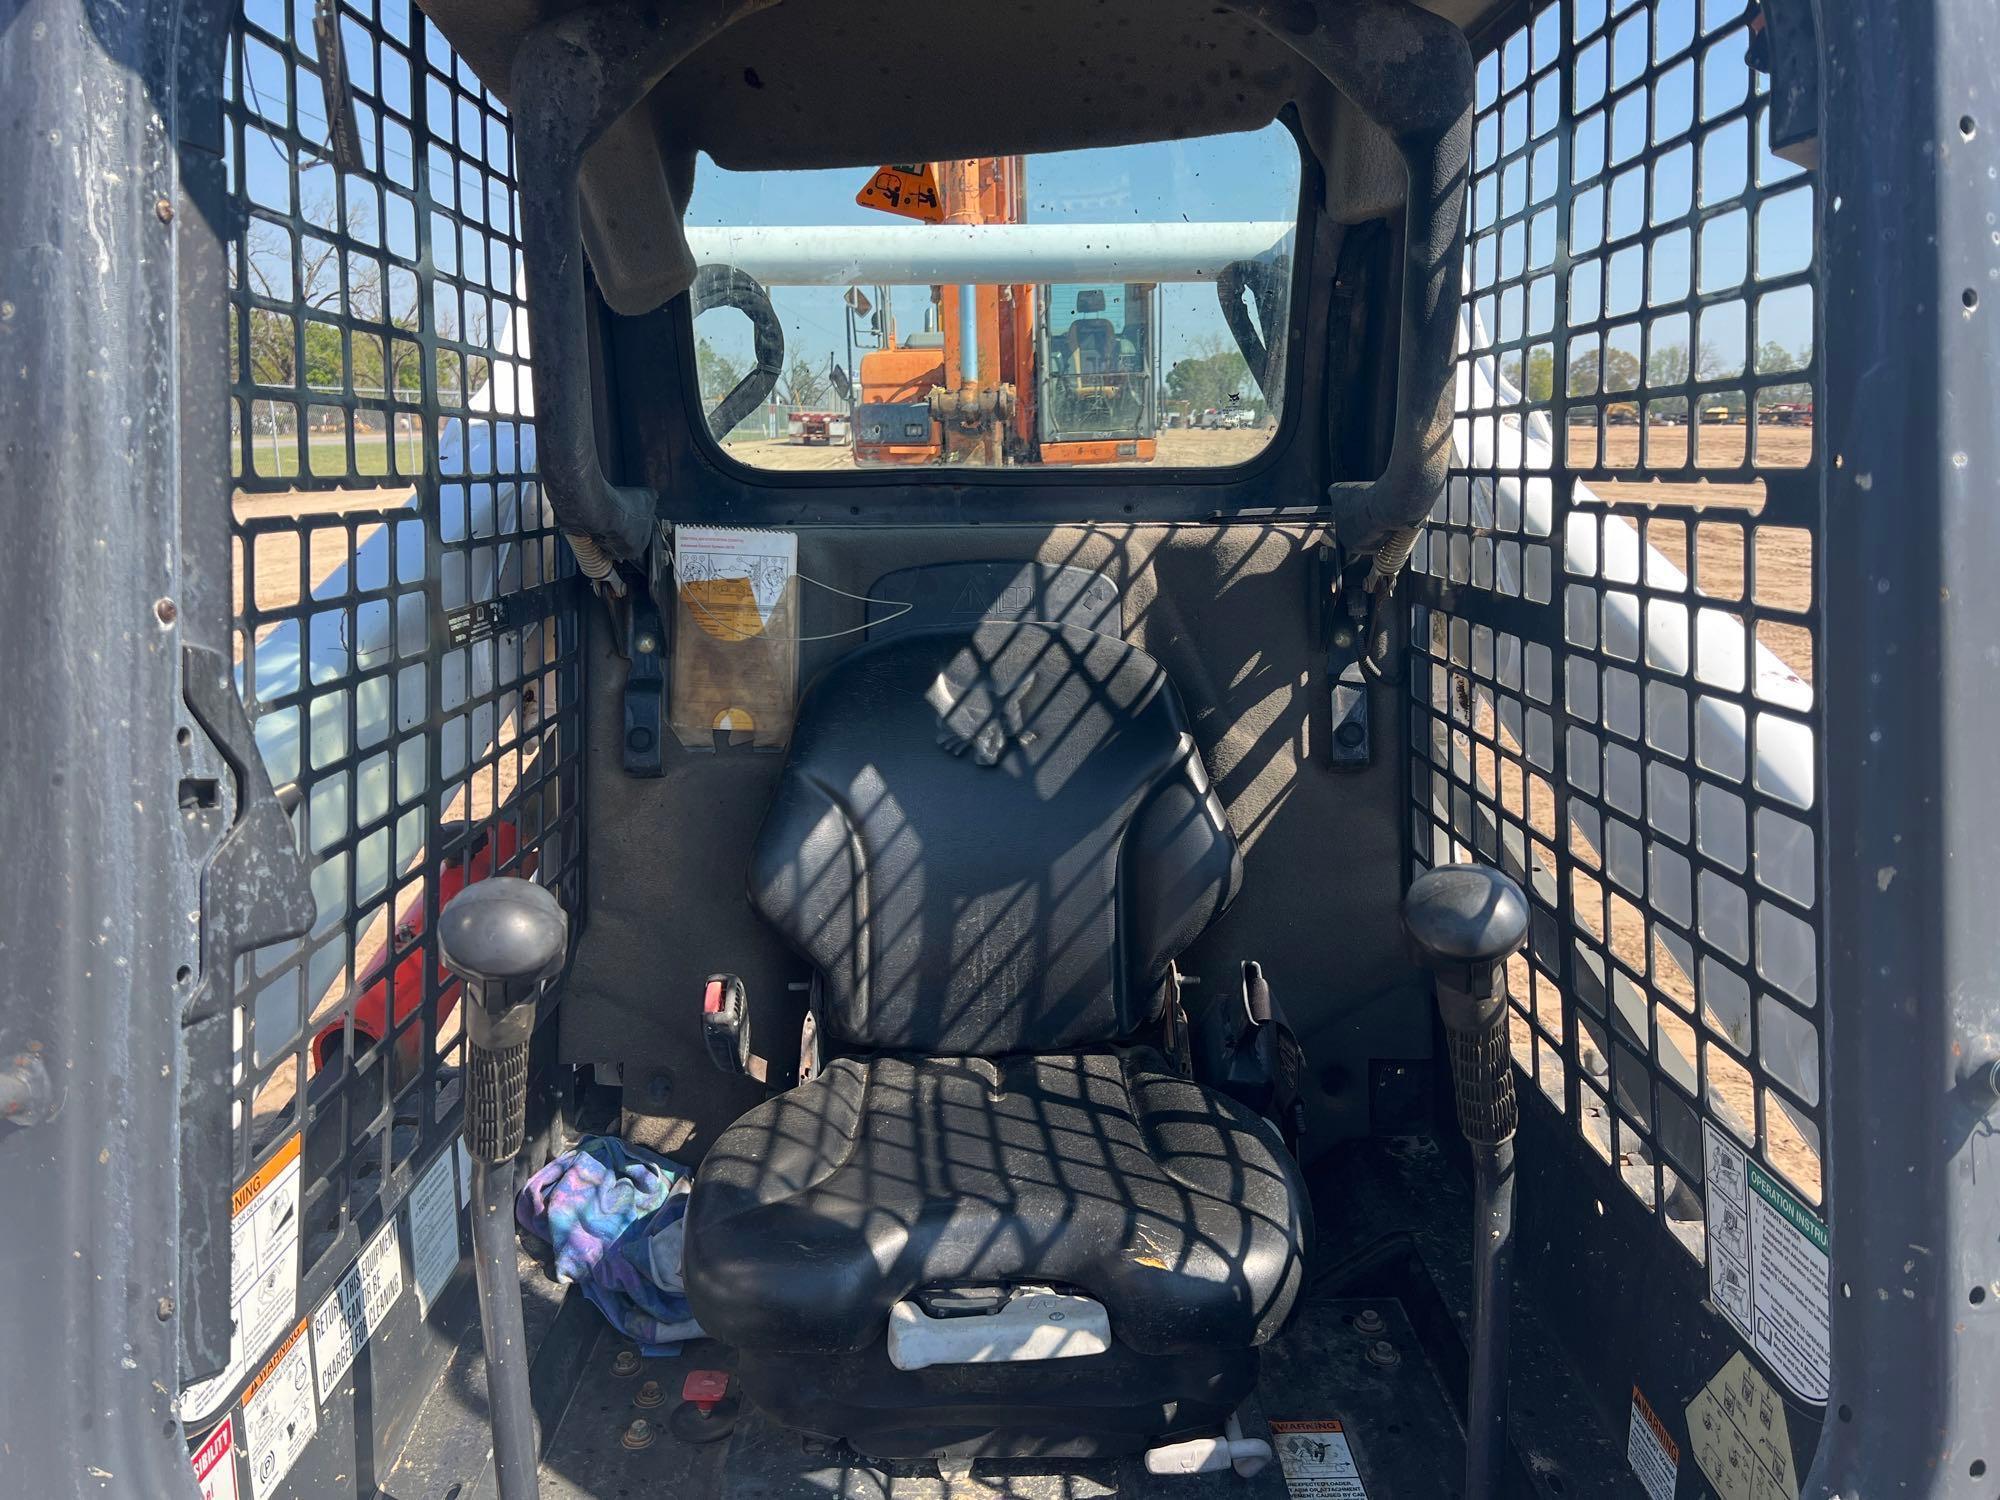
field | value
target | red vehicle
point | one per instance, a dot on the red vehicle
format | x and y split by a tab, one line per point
490	846
817	427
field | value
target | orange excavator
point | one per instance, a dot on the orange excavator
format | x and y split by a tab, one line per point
1012	373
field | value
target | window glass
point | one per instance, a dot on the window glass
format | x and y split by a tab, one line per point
1118	307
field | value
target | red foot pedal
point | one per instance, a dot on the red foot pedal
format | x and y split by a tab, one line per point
705	1388
707	1412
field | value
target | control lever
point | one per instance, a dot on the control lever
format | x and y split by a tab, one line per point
504	937
1465	922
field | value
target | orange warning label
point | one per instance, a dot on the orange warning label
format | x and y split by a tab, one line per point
1660	1433
907	188
277	1358
265	1175
1651	1450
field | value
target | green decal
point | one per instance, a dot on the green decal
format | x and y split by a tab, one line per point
1796	1213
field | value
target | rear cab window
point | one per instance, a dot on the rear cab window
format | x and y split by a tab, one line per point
1066	310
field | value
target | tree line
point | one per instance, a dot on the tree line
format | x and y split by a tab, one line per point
311	358
1615	371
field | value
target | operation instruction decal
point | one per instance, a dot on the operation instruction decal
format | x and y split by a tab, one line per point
263	1275
1767	1266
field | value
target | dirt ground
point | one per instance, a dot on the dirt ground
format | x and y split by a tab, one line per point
1178	448
1716	445
1721	545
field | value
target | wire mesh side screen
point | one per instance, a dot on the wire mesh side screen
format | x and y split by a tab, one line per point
1614	617
407	629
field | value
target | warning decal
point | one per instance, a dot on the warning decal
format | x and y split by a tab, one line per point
1740	1437
280	1415
1767	1266
354	1309
1317	1462
434	1241
215	1463
1651	1450
906	188
263	1275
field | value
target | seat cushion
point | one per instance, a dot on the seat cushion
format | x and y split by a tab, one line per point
1175	1207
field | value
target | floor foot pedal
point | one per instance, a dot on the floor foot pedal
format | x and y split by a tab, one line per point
708	1411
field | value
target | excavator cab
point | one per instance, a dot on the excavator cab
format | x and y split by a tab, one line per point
1100	375
1327	835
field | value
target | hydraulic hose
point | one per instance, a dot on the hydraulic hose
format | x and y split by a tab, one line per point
1261	342
725	286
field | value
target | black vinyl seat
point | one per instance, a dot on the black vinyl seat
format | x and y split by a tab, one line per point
992	842
1101	1170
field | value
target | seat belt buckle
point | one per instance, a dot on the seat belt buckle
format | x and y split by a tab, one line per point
1248	1052
725	1023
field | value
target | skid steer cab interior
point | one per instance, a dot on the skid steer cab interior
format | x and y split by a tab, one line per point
867	750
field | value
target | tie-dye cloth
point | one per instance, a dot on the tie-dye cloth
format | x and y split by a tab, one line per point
611	1214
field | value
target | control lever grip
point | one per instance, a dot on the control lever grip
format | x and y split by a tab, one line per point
1482	1075
496	1101
504	938
1465	922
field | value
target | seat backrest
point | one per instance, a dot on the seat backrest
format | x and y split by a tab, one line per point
992	839
1096	343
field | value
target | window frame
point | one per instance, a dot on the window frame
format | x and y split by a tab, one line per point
916	495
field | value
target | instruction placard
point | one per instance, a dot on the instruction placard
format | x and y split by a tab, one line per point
1651	1450
736	635
263	1275
1317	1462
280	1415
215	1463
434	1239
356	1306
1767	1266
1741	1439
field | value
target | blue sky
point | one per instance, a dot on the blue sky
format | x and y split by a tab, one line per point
1215	179
1705	153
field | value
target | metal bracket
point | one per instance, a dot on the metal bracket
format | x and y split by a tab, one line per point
645	688
254	892
1346	627
1784	46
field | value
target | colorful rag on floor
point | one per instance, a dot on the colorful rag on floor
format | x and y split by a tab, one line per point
611	1214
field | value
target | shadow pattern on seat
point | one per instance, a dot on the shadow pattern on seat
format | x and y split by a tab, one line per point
1171	1205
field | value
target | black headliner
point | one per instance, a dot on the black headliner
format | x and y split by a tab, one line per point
829	83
